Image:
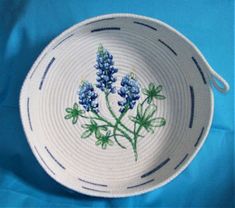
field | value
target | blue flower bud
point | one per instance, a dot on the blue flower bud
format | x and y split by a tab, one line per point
129	90
88	97
105	70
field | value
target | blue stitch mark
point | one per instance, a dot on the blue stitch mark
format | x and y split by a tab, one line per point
46	71
140	23
198	139
54	158
91	189
199	69
167	46
111	18
106	28
44	161
135	186
96	184
30	124
192	106
37	65
184	158
63	41
157	168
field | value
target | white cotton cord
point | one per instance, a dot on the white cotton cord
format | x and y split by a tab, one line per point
218	82
157	55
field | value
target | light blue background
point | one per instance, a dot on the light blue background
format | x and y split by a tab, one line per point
26	27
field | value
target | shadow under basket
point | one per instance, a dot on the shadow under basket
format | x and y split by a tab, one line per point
118	105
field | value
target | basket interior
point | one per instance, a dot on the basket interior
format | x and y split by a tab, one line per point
155	54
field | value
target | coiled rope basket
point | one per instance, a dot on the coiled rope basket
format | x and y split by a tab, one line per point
118	105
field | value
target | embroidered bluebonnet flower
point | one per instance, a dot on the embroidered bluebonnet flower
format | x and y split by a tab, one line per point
105	70
88	97
130	91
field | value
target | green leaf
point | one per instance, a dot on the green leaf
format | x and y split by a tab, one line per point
110	142
68	116
158	122
98	142
68	110
149	100
139	110
75	119
104	128
108	133
160	97
104	145
80	112
85	126
151	86
145	91
75	106
93	122
132	118
97	134
150	110
86	134
151	129
158	88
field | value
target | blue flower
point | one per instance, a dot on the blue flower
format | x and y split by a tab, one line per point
105	70
88	97
130	91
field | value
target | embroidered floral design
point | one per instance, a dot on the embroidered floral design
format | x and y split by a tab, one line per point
108	132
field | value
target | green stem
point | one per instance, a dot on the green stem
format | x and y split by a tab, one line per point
135	152
138	130
116	140
108	105
144	101
136	133
88	117
116	126
103	125
113	114
98	117
141	105
113	135
134	145
134	127
111	125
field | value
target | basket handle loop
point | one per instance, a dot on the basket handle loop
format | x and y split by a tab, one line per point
218	82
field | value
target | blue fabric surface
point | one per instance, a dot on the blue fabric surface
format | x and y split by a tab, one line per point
26	27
